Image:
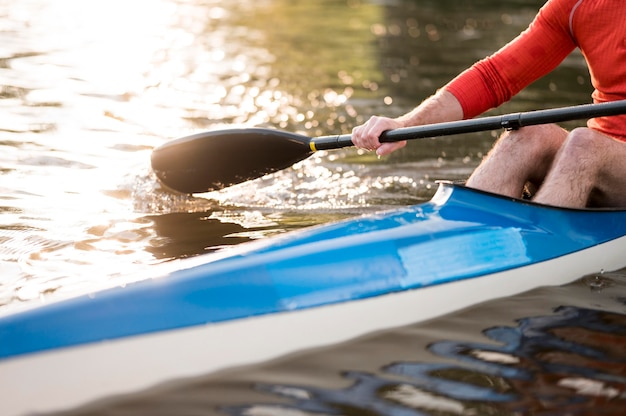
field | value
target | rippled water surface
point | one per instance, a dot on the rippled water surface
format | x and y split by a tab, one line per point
88	88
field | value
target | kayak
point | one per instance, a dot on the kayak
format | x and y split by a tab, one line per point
303	289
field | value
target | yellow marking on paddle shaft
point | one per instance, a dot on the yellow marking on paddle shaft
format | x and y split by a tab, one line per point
312	146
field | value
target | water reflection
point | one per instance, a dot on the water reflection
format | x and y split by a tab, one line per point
185	234
568	362
188	234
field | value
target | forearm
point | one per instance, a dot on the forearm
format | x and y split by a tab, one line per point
440	107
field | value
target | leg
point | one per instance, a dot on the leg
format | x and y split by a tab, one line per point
519	157
589	170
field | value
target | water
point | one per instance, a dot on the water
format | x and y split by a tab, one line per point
87	89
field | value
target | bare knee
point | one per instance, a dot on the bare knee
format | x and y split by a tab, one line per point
582	173
583	136
582	148
535	141
589	157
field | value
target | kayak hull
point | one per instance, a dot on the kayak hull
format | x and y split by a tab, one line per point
301	290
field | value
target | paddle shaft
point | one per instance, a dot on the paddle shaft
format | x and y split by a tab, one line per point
508	121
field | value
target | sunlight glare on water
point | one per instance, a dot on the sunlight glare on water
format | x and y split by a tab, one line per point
71	73
82	51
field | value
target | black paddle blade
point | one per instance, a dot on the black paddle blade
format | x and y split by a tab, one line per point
214	160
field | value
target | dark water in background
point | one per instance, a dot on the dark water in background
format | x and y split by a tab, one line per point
87	89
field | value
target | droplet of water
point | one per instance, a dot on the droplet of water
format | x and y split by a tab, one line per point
598	282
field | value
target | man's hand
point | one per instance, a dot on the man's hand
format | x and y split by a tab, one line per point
366	136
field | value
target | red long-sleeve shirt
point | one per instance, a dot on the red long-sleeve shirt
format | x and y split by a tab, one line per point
597	27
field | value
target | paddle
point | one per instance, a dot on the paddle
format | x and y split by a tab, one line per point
214	160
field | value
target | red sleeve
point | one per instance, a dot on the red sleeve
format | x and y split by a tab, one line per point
534	53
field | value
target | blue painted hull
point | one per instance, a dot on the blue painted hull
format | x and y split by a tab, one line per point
460	234
462	247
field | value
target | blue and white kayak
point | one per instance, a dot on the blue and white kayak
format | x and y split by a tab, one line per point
304	289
